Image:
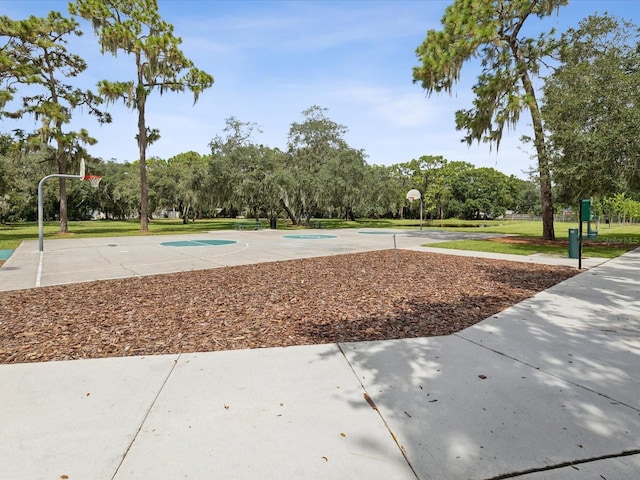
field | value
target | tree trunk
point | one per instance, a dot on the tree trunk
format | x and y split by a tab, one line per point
185	214
62	169
540	145
64	221
288	212
548	232
142	146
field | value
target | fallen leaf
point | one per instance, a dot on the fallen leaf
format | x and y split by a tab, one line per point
370	401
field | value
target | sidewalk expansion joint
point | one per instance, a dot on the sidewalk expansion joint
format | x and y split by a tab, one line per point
146	415
550	373
626	453
372	404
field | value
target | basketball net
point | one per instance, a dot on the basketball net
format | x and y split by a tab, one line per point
93	179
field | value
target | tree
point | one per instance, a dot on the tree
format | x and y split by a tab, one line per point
36	57
121	183
264	181
230	160
383	194
453	190
20	172
136	28
492	31
245	175
343	178
483	192
311	144
5	146
424	175
526	194
179	182
592	109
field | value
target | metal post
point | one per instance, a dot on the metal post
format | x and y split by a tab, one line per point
40	215
412	195
395	250
41	207
580	240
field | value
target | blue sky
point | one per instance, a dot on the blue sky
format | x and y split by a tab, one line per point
273	59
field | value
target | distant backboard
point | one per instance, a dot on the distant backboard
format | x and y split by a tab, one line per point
413	194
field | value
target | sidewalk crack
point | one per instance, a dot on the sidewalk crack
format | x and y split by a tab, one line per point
557	466
372	404
146	415
540	369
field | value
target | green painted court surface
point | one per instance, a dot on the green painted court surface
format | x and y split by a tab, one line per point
4	254
309	237
197	243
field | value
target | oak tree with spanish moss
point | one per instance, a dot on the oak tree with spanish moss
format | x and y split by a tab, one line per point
491	30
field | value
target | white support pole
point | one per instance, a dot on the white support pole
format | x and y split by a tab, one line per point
41	206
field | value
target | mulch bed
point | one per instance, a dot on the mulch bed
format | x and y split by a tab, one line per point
341	298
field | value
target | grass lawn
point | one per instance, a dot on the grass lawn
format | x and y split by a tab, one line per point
613	239
602	250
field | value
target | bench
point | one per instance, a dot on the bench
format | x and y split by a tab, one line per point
248	226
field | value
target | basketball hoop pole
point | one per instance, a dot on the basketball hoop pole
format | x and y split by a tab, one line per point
40	201
412	195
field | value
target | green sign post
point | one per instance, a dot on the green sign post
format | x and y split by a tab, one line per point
585	216
585	210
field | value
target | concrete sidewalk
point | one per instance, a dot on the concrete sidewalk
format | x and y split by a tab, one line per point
548	389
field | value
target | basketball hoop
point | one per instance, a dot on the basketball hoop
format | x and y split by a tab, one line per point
413	194
94	179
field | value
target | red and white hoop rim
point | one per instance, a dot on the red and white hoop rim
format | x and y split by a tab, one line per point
93	179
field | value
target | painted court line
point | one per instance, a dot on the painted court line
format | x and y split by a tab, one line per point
39	274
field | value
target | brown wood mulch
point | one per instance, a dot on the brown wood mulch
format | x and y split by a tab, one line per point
341	298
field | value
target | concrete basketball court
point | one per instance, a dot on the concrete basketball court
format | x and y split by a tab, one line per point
85	259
